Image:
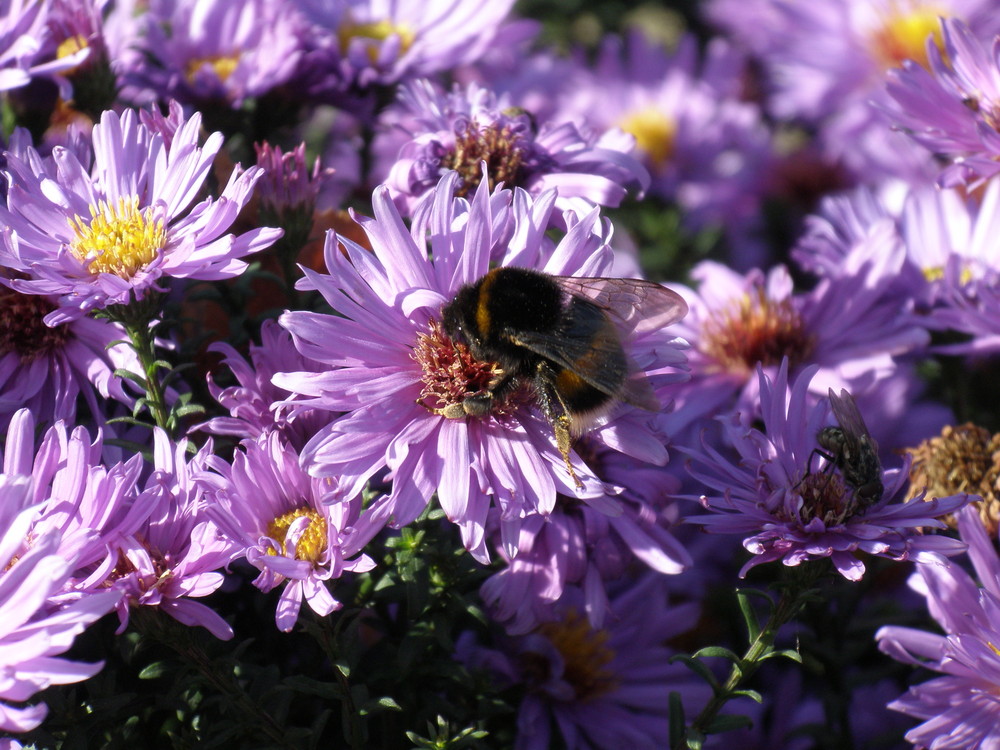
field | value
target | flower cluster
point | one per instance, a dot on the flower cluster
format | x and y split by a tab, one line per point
364	362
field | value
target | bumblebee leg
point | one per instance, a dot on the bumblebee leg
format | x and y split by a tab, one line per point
480	404
556	412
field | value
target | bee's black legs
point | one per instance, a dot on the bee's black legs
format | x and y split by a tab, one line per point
556	412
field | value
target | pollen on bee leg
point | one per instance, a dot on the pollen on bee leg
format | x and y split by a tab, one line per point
561	426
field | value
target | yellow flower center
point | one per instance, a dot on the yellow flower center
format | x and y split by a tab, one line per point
71	46
222	65
936	273
312	543
118	239
586	654
378	31
654	134
904	34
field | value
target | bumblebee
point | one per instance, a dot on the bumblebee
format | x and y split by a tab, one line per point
852	449
563	335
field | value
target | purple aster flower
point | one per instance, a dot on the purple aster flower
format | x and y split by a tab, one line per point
287	524
825	63
960	709
103	234
789	506
589	688
952	108
371	42
34	630
704	147
46	369
255	405
973	310
401	381
216	51
27	48
851	326
931	241
176	554
576	545
462	129
85	502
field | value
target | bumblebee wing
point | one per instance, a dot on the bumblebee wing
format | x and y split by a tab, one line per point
635	305
589	345
850	419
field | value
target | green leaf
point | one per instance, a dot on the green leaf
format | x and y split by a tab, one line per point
129	375
154	671
749	616
747	693
721	724
788	653
718	652
699	668
677	721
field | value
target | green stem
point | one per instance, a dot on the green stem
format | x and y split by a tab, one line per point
138	319
327	639
152	623
793	597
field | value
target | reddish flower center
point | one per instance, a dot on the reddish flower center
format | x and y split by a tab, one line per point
499	145
825	496
451	375
22	331
756	329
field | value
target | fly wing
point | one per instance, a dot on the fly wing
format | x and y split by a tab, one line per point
850	419
634	305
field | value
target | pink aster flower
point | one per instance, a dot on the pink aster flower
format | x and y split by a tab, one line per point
825	64
464	128
34	630
960	709
372	42
576	545
791	506
396	376
588	688
287	524
104	233
952	107
46	369
87	503
256	406
705	146
217	51
27	48
852	326
175	556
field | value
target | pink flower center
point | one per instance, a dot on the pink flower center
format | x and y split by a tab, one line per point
451	375
756	329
